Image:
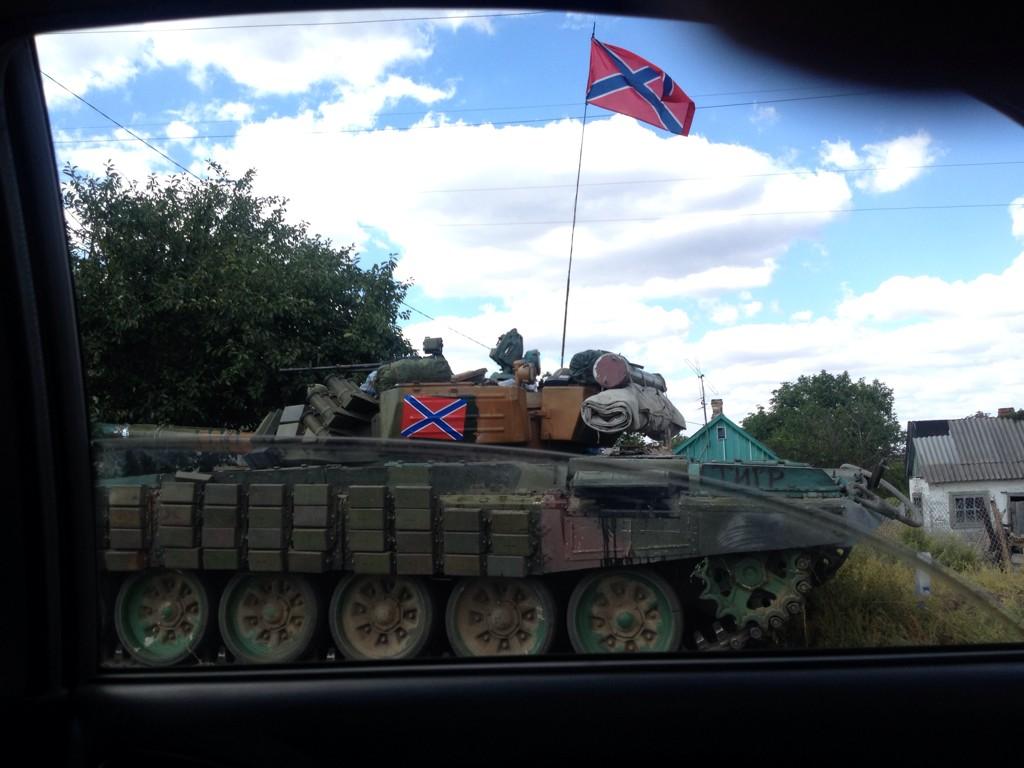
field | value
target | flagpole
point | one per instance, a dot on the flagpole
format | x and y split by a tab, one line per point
575	200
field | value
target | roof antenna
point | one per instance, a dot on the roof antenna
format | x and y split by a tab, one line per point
572	232
703	399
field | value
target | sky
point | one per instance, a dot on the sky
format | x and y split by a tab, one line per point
804	224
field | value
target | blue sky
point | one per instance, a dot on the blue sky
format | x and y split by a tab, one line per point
746	248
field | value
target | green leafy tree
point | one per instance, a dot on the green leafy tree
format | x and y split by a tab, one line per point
828	420
191	296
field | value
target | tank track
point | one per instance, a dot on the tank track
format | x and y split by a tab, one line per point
754	595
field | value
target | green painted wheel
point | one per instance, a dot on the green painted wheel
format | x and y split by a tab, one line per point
161	616
268	618
624	611
500	617
381	617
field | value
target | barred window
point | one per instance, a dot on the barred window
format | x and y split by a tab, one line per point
967	511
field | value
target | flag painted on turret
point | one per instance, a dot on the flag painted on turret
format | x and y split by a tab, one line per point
620	81
434	418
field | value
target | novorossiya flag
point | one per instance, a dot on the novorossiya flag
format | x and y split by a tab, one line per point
620	81
434	418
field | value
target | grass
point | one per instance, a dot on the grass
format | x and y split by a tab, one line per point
871	601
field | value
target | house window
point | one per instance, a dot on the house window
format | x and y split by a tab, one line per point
966	511
721	433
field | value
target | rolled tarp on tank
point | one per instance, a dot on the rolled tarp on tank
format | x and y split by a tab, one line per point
632	409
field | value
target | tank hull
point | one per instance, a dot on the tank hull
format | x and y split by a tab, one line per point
446	532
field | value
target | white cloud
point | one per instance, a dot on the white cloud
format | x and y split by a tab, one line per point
724	314
752	308
181	131
291	59
485	210
838	154
234	110
902	298
284	59
1017	217
358	107
132	158
947	348
474	18
580	21
710	281
764	116
896	162
86	62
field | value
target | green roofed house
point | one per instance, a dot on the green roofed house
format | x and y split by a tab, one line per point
722	439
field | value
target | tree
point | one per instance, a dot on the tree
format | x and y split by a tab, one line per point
191	295
828	420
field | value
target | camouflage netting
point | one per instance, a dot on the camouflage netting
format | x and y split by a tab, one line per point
410	370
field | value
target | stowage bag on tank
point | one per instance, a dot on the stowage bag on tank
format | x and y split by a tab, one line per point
633	409
413	369
582	365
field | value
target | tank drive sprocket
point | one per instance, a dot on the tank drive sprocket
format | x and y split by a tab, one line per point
754	593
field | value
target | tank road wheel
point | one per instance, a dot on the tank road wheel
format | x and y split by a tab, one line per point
381	617
627	611
267	618
161	616
500	617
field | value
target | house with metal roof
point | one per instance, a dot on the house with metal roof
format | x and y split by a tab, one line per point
963	469
722	439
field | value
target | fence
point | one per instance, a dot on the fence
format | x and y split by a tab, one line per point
991	540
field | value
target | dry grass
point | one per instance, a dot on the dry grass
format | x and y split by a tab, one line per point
871	602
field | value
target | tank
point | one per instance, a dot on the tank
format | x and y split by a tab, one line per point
422	512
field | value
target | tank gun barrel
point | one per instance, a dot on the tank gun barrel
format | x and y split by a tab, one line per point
317	368
203	437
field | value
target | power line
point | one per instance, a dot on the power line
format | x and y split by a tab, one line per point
166	157
549	222
115	140
451	110
404	113
340	23
110	140
67	212
720	177
792	98
453	330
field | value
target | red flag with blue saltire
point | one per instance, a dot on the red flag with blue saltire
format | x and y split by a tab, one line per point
620	81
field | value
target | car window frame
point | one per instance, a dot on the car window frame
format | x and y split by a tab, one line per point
59	540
